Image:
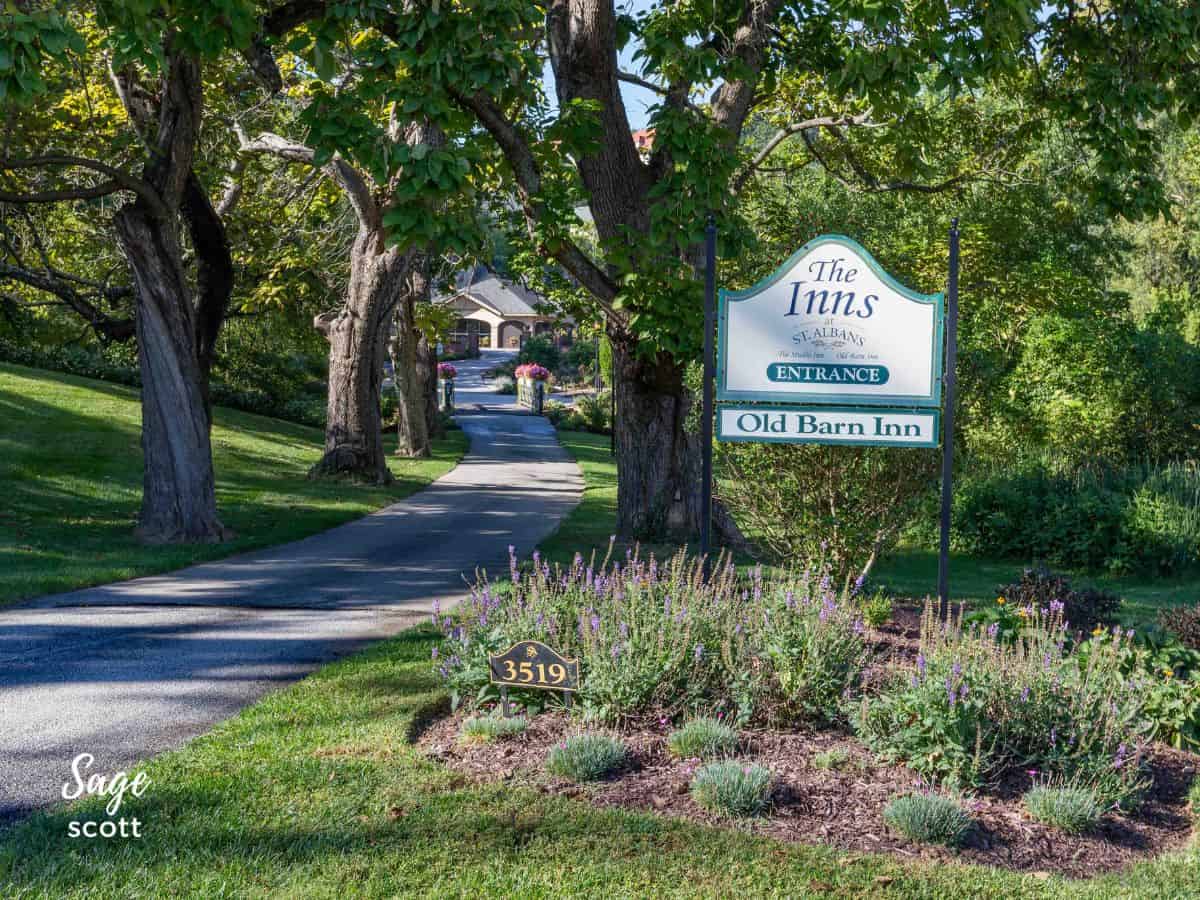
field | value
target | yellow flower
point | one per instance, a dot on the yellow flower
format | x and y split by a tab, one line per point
1167	673
1097	631
1022	613
1000	600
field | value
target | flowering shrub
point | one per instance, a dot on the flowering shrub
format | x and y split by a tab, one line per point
1170	673
532	371
657	639
976	707
445	370
732	788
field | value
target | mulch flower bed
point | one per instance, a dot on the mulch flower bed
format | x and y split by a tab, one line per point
842	808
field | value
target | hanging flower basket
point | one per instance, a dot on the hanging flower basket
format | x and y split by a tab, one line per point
446	371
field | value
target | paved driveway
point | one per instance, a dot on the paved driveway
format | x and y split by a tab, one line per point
127	670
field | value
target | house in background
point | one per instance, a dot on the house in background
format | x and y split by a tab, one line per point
495	312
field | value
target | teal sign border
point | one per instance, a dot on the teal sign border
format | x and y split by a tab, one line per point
724	298
824	439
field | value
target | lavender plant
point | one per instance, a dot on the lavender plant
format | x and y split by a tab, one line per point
703	738
975	707
586	757
657	638
1074	809
928	818
732	788
484	729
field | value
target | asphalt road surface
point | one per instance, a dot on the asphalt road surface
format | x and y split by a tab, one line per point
124	671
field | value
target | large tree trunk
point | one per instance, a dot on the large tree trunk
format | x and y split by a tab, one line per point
178	499
357	336
413	431
658	470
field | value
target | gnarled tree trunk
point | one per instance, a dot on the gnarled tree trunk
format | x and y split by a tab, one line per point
357	336
178	498
175	333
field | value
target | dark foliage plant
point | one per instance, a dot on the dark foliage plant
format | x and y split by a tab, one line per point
1184	622
1083	609
540	350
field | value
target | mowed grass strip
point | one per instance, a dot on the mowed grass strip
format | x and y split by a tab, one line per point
316	791
908	571
71	481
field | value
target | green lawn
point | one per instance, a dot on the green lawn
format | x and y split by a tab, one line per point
913	573
590	524
908	572
316	791
70	474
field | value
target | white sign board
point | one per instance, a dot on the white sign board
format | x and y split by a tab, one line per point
830	326
829	425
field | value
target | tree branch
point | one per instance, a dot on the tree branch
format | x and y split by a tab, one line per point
873	184
123	180
55	196
731	102
57	286
355	186
528	176
786	132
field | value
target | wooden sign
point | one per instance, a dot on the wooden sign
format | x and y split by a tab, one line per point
531	664
830	326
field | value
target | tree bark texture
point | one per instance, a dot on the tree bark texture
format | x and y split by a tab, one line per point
658	459
427	363
175	333
412	428
178	497
357	335
658	471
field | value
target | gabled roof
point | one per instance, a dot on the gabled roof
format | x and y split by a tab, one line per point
504	298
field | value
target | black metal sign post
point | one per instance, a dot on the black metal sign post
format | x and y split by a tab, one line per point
948	418
710	366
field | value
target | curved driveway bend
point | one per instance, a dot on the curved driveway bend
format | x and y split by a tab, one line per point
124	671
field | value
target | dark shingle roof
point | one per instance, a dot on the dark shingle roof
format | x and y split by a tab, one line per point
507	298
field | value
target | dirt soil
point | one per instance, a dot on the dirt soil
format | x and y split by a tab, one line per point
842	808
